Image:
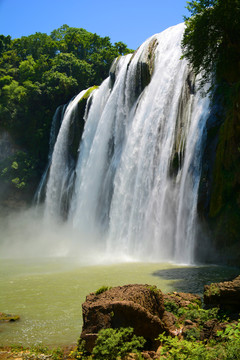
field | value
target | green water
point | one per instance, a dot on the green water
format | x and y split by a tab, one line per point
47	294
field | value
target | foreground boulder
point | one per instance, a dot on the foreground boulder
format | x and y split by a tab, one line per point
138	306
150	313
225	294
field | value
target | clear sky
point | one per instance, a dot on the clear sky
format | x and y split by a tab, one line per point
129	21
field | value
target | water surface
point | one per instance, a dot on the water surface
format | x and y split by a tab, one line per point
48	293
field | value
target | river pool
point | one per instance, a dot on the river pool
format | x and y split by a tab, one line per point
48	293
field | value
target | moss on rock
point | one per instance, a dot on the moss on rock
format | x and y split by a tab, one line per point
8	317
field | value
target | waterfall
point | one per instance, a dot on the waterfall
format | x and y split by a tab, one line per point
134	188
56	124
61	174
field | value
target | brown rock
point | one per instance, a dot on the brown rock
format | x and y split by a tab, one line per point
138	306
210	329
182	299
188	322
146	355
170	323
225	294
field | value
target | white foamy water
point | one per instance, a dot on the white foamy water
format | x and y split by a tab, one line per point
129	198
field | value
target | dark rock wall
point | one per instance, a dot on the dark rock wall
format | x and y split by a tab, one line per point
219	191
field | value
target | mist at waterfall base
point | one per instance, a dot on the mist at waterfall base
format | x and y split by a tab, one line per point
132	193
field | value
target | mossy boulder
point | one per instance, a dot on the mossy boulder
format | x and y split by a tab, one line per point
8	317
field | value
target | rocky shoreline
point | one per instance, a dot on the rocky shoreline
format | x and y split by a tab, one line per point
150	312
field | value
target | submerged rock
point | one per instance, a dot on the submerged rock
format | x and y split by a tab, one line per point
137	306
8	317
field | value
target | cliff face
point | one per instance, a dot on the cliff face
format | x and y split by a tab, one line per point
219	196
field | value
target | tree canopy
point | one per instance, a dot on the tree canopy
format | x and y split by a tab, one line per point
38	73
211	40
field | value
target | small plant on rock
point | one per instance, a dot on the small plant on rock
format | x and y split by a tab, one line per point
171	306
199	315
192	334
102	289
212	290
231	332
113	344
153	289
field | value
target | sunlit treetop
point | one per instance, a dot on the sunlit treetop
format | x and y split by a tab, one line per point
211	41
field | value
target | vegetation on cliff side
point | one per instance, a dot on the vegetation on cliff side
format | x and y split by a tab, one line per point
211	43
211	40
223	344
37	74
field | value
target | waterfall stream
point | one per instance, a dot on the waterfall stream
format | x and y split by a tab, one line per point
134	188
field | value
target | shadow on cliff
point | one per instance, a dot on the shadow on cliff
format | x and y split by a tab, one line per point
192	279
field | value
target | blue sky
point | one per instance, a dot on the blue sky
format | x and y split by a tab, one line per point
130	21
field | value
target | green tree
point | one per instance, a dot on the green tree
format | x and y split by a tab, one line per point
5	42
35	45
97	51
40	72
70	65
57	84
27	69
211	40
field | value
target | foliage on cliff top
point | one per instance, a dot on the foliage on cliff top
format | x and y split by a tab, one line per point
211	40
39	72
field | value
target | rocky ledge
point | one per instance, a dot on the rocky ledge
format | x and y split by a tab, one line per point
150	312
225	295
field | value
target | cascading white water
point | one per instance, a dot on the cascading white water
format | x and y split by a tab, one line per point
125	195
61	174
56	123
